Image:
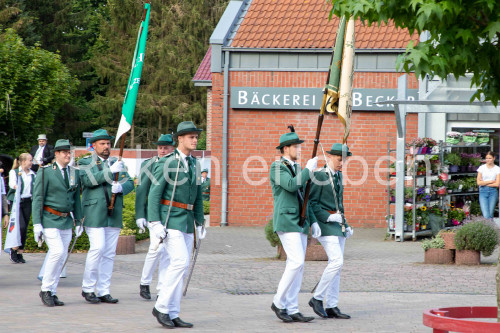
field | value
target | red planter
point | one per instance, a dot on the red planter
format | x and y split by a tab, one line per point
125	245
449	240
438	256
467	257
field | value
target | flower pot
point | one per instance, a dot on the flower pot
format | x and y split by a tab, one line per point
441	191
393	198
424	150
453	168
463	168
420	150
438	256
474	168
450	191
125	245
467	257
449	240
469	168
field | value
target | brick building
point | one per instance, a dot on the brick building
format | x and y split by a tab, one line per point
264	70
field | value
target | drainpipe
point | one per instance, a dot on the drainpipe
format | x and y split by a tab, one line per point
223	220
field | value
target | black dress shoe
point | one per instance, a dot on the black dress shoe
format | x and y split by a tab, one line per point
317	306
20	258
163	319
13	256
335	313
57	302
299	317
178	322
281	314
91	297
47	298
108	299
144	291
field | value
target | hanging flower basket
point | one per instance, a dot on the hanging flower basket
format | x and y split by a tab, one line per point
483	138
453	138
469	138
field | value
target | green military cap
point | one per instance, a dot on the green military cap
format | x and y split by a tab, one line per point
204	170
62	144
187	127
289	139
165	140
100	134
339	149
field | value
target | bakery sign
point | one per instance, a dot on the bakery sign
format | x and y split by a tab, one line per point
309	98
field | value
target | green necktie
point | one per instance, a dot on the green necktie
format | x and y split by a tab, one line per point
190	167
66	179
336	183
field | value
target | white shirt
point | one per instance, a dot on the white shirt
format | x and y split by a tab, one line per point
184	159
62	171
26	180
489	173
292	163
38	154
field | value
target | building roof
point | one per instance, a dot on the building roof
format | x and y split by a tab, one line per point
203	73
305	24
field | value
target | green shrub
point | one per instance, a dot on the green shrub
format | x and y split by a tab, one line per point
433	243
453	159
206	207
271	236
477	236
129	218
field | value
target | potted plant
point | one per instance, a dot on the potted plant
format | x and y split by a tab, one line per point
408	217
408	194
435	252
415	145
126	241
392	194
464	162
475	208
430	144
475	161
392	169
456	216
453	137
474	237
454	160
483	138
469	138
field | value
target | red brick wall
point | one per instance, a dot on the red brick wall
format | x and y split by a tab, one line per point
256	133
209	118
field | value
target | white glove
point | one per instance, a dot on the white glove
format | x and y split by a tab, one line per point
335	218
316	230
37	232
141	224
349	232
158	229
78	230
116	188
312	164
116	167
201	232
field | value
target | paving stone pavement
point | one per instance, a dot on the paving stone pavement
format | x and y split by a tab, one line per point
385	287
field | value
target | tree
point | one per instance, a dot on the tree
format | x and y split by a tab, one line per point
464	37
37	84
177	41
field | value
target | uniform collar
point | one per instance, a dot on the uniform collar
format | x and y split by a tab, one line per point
60	167
292	163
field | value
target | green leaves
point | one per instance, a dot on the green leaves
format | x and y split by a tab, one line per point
464	37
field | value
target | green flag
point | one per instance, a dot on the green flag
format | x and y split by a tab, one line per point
135	77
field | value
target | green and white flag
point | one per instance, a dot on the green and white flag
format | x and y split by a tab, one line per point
135	77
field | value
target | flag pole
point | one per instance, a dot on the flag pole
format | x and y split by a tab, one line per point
122	143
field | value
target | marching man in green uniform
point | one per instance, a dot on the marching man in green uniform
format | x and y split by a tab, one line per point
56	194
205	185
175	212
102	226
288	182
165	146
328	208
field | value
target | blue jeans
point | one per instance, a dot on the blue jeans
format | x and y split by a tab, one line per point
488	197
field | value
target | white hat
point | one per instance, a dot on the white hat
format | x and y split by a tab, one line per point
42	137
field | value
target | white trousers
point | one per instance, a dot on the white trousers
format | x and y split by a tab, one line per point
153	257
58	242
99	263
42	269
329	285
287	295
179	246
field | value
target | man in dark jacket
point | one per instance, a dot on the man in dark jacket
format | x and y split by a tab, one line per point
42	153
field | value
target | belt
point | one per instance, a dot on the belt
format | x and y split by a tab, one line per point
332	211
205	192
55	212
176	204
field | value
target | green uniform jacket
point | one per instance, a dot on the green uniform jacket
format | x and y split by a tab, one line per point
142	190
322	200
187	191
95	208
205	188
286	215
56	196
12	192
